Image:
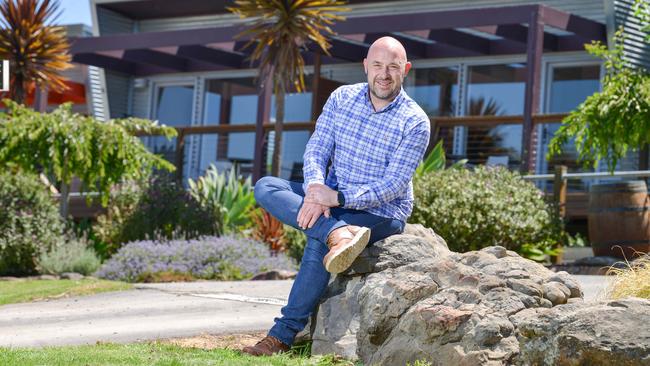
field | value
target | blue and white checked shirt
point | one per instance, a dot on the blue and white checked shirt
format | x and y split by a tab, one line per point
374	154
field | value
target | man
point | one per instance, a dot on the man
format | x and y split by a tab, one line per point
375	136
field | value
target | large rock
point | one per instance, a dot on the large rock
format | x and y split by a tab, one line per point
408	298
611	332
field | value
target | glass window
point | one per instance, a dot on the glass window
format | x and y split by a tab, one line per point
495	90
173	108
434	89
569	86
235	101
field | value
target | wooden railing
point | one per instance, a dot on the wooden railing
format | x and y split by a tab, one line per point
437	123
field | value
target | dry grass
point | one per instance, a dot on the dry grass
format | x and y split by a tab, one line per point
631	281
209	341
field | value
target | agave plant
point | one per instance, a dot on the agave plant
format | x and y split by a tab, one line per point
279	30
436	161
227	193
36	49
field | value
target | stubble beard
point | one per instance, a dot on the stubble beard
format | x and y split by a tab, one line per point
387	95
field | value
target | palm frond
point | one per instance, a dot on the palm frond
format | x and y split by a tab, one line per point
280	29
36	49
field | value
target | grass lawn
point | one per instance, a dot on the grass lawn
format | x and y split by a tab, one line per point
152	353
32	290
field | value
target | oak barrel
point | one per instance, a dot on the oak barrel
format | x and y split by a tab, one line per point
619	219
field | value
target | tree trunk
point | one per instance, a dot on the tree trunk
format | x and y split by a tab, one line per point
64	203
279	127
65	194
19	90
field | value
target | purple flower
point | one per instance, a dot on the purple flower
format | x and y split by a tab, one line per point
207	257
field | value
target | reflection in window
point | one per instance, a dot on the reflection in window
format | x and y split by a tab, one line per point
173	108
235	102
570	86
434	89
495	90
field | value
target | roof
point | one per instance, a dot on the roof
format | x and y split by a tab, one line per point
430	35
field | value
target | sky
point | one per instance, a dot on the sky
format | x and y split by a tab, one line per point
74	12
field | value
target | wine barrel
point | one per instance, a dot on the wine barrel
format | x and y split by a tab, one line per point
619	219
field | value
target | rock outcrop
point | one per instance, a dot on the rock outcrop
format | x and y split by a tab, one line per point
409	298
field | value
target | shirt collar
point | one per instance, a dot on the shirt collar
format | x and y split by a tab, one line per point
398	99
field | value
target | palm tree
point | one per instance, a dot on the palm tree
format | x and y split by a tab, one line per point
279	30
36	49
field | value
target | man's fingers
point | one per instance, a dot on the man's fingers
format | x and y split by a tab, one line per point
327	213
301	215
313	219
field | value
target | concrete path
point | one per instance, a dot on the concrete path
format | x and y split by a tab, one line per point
150	311
153	311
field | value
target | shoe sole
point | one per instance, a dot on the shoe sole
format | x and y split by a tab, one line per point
343	258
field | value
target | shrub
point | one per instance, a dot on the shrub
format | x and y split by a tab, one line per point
30	224
223	258
157	209
296	241
228	195
72	256
267	229
484	207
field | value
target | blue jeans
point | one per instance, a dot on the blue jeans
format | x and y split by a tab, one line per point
283	199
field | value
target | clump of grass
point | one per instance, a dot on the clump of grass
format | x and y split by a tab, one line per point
634	280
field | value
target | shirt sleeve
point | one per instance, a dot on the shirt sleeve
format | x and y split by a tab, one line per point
320	145
398	175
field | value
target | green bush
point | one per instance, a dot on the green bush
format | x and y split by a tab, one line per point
484	207
296	241
30	224
72	256
157	209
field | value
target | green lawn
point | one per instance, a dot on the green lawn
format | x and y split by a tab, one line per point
32	290
150	354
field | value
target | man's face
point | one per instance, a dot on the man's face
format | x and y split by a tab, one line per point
386	69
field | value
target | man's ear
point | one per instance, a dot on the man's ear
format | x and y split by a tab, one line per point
407	67
365	65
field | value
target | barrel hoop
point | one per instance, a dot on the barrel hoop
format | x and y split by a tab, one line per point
621	243
619	209
622	190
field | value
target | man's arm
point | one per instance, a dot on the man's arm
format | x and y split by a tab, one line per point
320	145
398	173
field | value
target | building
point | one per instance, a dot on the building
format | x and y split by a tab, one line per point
494	86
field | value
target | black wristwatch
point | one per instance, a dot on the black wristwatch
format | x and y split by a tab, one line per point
341	199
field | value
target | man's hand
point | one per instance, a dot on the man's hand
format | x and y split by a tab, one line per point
322	195
309	213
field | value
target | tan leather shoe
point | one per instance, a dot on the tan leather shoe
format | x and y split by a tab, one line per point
345	243
268	346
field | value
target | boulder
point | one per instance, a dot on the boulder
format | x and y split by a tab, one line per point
276	274
72	276
613	332
409	298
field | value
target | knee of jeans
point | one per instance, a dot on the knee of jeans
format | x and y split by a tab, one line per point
262	188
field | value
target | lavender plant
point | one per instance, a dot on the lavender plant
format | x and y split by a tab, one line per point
209	257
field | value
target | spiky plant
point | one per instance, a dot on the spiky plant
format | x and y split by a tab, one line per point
36	49
279	31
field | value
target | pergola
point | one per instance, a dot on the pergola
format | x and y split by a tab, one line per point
525	29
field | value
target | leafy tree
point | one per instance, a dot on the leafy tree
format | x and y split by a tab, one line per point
63	144
617	119
36	49
279	30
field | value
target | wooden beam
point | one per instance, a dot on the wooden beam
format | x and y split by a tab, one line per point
263	116
532	87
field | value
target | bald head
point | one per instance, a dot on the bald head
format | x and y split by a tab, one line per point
390	45
386	66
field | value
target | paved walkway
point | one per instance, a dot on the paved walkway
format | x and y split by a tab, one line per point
153	311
